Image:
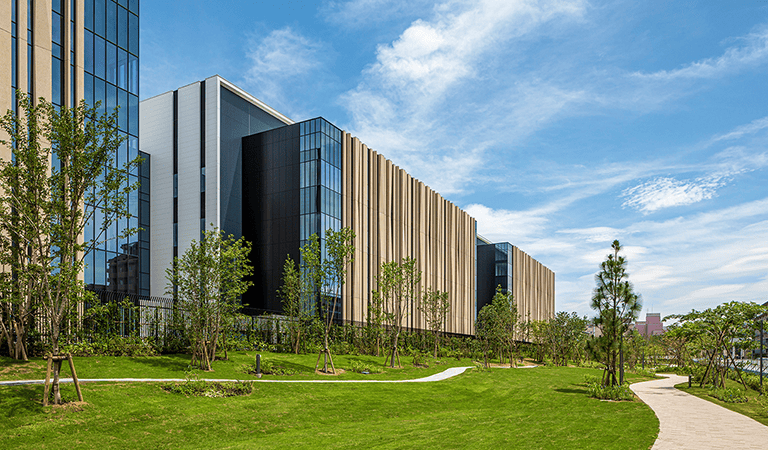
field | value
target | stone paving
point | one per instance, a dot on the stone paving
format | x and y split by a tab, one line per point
688	422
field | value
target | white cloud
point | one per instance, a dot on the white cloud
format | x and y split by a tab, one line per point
750	128
753	51
281	61
417	103
665	192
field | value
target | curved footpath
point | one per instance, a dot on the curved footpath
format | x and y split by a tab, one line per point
688	422
444	375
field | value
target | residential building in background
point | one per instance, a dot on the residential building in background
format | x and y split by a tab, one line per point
69	50
651	326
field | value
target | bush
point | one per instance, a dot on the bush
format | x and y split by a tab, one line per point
591	379
729	395
419	359
650	372
364	366
113	345
618	392
201	388
269	368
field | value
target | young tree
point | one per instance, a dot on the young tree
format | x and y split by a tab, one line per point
341	253
565	335
435	306
398	288
486	329
61	174
376	318
291	295
506	313
209	279
617	306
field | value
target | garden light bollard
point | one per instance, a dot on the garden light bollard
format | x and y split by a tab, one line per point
689	380
258	365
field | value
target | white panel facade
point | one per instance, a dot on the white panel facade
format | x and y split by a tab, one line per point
212	153
156	124
189	166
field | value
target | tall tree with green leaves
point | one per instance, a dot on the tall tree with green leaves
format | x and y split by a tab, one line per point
435	306
617	306
208	280
61	175
717	331
340	250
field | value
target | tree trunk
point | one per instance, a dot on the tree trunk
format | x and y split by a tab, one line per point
298	337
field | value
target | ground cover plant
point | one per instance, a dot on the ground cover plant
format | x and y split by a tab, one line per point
545	407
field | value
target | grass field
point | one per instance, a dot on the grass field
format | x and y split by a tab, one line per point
545	407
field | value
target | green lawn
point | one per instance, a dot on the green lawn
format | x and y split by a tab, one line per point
543	407
756	407
177	366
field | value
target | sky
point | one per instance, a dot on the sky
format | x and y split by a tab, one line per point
559	125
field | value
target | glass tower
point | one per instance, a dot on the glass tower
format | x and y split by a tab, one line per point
94	55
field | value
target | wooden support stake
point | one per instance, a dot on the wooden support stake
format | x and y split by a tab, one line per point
74	377
47	380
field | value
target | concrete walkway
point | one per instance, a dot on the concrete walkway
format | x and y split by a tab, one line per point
444	375
688	422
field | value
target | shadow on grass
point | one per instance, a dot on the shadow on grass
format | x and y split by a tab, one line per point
301	368
572	391
175	362
6	361
20	401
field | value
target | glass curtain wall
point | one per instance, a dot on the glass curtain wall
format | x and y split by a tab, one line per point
111	57
320	184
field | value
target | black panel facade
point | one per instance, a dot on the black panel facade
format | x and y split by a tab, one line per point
271	209
494	268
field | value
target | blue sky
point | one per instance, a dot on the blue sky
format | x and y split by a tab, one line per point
559	125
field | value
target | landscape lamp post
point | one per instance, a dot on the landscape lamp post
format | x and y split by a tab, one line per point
761	353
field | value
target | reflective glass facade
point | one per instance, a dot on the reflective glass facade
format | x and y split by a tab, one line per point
238	118
291	190
111	77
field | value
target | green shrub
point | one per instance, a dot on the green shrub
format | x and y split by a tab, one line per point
729	395
419	359
618	392
201	388
269	368
364	366
650	372
113	345
591	379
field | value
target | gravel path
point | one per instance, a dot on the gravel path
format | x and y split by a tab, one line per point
688	422
444	375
